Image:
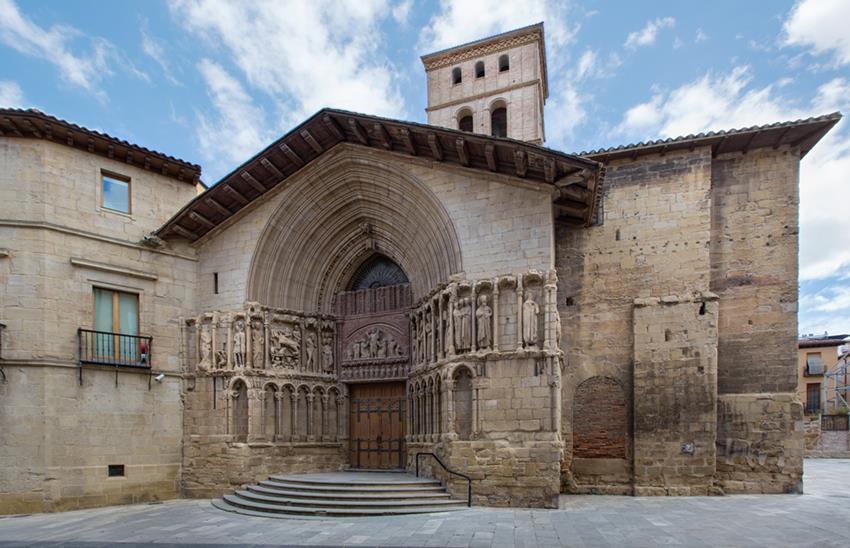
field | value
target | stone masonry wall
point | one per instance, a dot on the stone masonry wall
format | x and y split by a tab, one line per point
754	272
653	242
57	436
675	398
501	228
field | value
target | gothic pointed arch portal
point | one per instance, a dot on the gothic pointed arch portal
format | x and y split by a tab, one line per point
327	226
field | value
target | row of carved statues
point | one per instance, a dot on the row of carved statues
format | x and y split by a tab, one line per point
262	338
506	313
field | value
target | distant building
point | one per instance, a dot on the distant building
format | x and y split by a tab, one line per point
816	355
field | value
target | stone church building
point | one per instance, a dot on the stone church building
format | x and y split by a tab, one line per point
620	321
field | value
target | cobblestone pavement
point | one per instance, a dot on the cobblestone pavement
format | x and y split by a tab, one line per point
821	518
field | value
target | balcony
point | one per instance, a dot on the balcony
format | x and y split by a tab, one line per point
113	349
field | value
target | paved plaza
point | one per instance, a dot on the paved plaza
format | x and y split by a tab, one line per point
820	517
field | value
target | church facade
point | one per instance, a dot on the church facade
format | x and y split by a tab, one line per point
621	321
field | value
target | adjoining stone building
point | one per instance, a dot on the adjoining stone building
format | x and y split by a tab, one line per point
618	321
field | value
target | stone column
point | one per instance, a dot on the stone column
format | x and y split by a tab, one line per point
451	326
213	339
555	384
249	344
344	413
229	349
473	324
326	435
256	414
441	335
449	387
267	352
520	293
294	434
495	330
310	417
278	409
547	317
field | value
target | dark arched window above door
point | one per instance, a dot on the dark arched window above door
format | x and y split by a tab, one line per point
378	271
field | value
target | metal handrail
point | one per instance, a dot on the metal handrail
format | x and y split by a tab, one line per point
113	349
446	468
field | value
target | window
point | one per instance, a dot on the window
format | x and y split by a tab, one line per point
499	122
814	363
215	283
115	192
115	470
504	63
117	312
479	69
465	123
457	77
813	397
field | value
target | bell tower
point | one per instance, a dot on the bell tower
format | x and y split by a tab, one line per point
494	86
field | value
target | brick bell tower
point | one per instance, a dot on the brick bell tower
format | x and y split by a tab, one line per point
494	86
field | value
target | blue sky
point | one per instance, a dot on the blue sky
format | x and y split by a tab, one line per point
213	81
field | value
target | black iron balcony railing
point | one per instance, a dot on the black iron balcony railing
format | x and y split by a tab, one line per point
115	349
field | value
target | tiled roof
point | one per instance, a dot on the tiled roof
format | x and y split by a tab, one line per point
804	133
32	123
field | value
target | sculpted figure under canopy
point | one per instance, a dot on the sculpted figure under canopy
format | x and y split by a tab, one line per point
483	315
239	345
530	310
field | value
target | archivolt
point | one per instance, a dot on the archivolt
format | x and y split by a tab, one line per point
327	226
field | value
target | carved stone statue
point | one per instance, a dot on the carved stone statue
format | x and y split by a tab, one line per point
428	341
374	345
285	347
206	347
239	344
463	324
530	310
310	352
328	352
483	315
373	342
444	327
557	328
257	344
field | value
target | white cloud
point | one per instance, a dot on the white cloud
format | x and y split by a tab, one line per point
401	12
822	26
304	55
237	129
701	36
647	35
827	310
461	21
11	95
85	70
154	49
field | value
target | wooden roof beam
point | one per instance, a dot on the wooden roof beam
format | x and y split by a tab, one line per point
69	138
236	194
164	169
575	193
291	155
31	128
255	184
358	131
90	145
549	170
14	127
521	162
383	135
407	139
462	151
314	144
490	154
436	147
333	127
186	233
271	168
129	157
716	150
781	136
200	219
750	141
216	205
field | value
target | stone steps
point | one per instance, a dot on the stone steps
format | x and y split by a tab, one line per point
340	494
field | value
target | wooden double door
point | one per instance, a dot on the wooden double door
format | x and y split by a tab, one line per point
376	428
